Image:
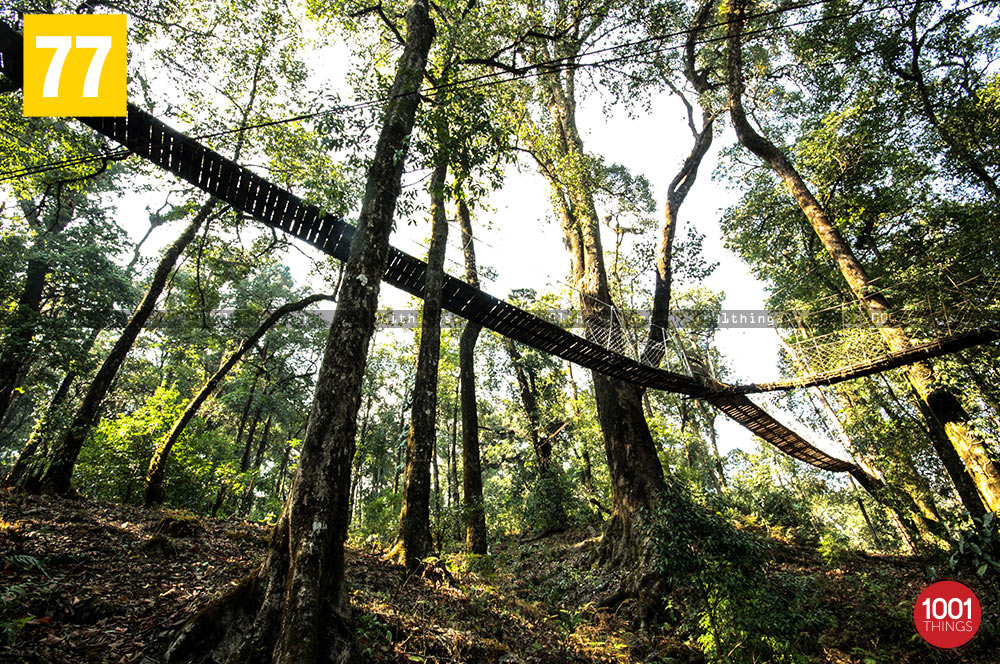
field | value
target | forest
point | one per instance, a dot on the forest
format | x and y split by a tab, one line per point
283	379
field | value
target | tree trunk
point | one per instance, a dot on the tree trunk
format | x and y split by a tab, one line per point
246	503
716	459
914	494
352	496
526	388
538	435
415	542
56	475
292	609
15	351
154	494
400	446
637	480
224	487
677	192
453	493
48	425
436	532
359	456
283	472
21	331
975	475
472	471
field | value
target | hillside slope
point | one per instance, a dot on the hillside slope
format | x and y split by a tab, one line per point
97	582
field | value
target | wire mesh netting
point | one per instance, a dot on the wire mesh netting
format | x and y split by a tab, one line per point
844	334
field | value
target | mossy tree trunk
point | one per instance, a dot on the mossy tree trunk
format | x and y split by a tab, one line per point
966	459
415	542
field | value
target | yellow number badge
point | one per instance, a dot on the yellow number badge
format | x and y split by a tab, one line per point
74	65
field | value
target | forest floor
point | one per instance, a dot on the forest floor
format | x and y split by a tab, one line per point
85	581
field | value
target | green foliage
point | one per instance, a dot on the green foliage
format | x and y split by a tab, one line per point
547	495
733	602
11	623
834	547
27	562
380	517
760	502
568	621
11	619
114	460
372	634
977	555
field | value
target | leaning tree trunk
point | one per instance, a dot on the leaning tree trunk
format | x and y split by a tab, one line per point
974	473
153	493
472	471
48	425
292	609
56	474
415	542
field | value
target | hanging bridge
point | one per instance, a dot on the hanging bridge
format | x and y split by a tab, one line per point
249	193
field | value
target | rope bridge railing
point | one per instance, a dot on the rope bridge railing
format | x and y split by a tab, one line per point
953	314
878	364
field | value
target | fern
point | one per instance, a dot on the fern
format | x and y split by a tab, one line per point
28	562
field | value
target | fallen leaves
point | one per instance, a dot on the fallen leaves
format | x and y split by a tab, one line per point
108	600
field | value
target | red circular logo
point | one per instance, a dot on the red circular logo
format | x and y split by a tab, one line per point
947	614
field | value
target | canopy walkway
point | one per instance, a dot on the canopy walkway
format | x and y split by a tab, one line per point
247	192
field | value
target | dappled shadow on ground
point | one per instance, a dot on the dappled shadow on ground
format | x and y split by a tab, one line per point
87	581
84	581
97	582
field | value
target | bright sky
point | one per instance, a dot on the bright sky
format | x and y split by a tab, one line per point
525	247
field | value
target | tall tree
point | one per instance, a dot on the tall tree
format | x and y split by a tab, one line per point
954	98
541	432
291	610
415	539
975	475
636	474
472	473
